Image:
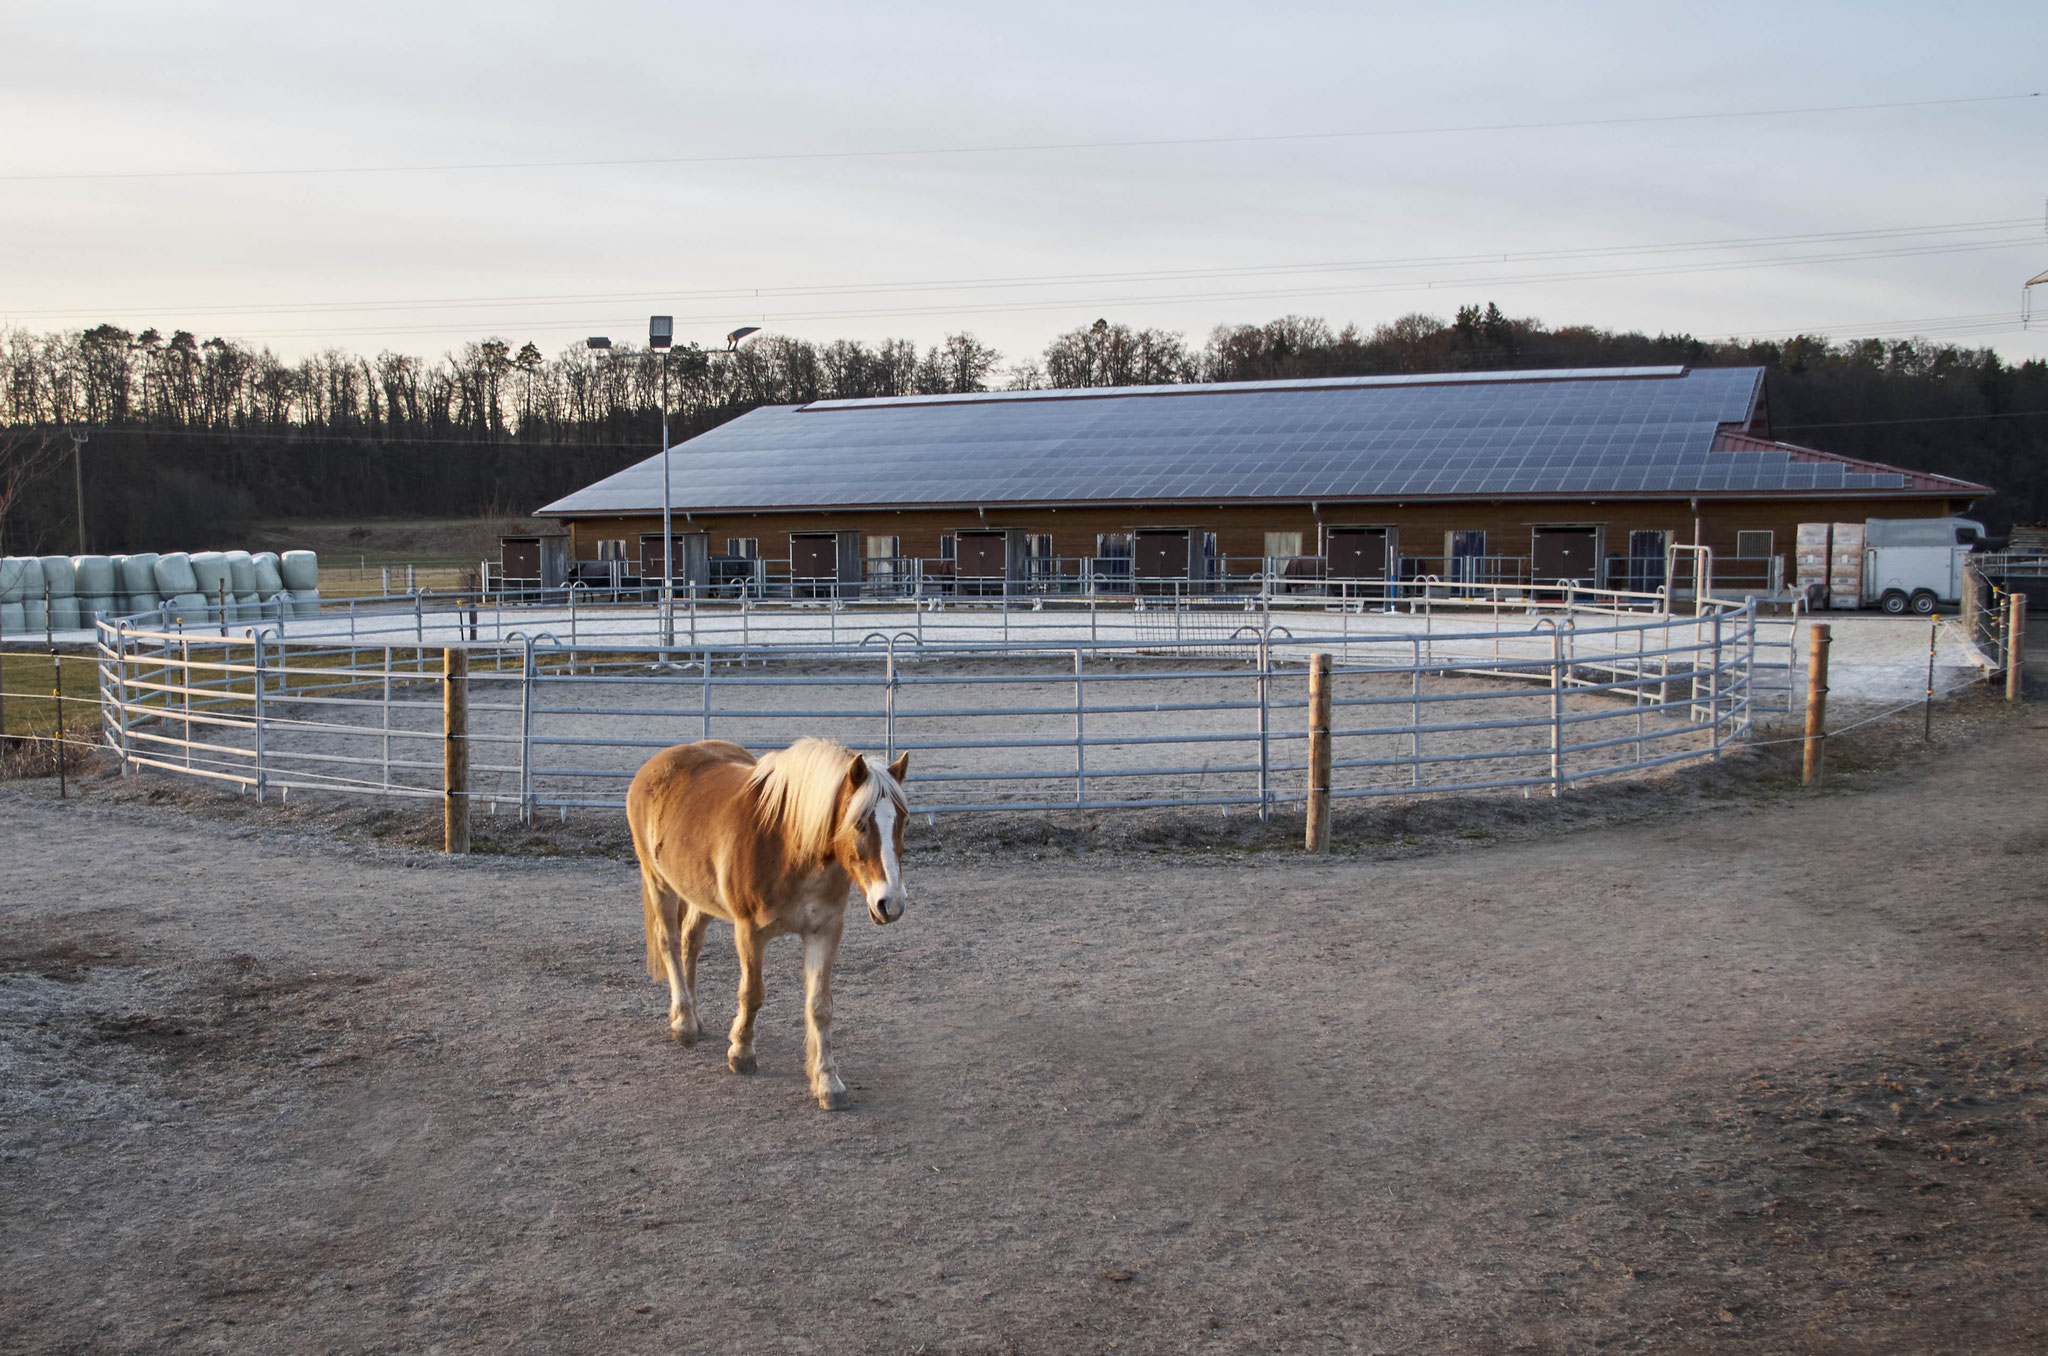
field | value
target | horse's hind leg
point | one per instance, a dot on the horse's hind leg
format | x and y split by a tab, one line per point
683	1017
669	938
739	1056
820	948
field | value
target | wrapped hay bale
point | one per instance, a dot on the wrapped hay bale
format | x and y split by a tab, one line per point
301	571
174	576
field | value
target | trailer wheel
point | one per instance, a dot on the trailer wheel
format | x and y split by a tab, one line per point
1923	603
1894	602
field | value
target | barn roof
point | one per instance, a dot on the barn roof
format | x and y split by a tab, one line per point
1606	432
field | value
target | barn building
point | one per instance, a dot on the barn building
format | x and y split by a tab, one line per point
1499	477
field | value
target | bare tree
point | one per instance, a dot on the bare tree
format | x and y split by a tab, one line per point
25	454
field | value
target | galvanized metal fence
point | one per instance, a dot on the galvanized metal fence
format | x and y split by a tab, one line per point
1001	710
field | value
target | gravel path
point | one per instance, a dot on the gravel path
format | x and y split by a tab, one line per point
1760	1077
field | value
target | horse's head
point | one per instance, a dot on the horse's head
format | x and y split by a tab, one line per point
869	842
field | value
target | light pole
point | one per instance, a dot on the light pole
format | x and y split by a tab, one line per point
661	333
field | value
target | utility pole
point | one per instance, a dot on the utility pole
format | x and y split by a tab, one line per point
78	441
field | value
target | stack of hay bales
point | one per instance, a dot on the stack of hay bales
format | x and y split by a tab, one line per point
138	583
60	582
272	602
16	575
178	586
301	571
83	590
99	588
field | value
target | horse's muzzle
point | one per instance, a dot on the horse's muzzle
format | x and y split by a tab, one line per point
886	910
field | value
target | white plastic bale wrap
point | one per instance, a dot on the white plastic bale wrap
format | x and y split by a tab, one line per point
13	619
64	614
248	607
301	571
211	570
241	573
305	602
138	573
269	579
35	615
95	575
190	608
60	579
98	608
136	604
174	576
21	577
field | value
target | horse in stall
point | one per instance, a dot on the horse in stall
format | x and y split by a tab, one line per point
772	847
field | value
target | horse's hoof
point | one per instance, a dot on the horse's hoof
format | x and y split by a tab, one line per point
835	1100
741	1064
683	1036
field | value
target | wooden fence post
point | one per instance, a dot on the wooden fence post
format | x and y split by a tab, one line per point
455	749
1318	753
2015	645
1816	703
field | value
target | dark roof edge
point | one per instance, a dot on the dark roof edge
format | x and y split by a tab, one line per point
1962	490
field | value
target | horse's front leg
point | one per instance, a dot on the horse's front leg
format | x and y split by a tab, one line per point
820	948
739	1056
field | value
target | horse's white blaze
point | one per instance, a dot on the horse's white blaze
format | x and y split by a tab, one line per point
890	887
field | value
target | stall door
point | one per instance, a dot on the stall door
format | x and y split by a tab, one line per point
982	555
693	558
521	559
1358	552
814	555
1566	553
1160	553
1646	561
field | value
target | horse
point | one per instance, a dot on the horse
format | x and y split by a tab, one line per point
772	847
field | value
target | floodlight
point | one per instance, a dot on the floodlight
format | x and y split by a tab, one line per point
732	340
661	331
597	341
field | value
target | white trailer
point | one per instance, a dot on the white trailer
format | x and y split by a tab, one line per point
1915	564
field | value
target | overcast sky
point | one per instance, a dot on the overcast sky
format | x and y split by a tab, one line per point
802	191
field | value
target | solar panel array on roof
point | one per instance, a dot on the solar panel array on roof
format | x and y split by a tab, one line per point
1623	431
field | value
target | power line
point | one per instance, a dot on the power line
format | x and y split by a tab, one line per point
1014	148
1098	302
1872	235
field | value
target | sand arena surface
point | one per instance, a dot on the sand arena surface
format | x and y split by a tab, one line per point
1762	1075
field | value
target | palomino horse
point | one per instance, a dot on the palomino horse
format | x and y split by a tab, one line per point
772	847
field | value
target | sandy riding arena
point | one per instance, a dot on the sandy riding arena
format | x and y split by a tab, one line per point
1720	1066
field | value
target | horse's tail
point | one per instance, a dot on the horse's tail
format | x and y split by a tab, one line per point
658	941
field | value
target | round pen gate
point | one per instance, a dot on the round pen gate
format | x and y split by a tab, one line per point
1148	703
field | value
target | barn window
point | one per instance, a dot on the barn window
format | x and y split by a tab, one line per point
1283	545
1113	545
1753	545
882	553
1038	545
948	548
747	548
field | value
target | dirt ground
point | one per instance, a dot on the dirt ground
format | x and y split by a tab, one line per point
1707	1064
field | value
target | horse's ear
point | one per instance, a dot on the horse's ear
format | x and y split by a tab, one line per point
901	767
857	772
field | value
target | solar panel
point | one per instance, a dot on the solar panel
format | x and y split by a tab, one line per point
1461	434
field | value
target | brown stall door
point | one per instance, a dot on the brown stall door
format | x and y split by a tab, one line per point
1358	553
814	555
522	559
1161	553
1566	553
981	555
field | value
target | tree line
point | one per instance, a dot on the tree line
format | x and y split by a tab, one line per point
190	440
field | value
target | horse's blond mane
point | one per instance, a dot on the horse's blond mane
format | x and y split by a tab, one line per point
795	789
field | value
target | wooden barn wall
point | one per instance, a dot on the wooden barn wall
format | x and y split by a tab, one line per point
1241	529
